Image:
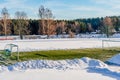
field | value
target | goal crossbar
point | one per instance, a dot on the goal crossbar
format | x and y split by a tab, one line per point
108	41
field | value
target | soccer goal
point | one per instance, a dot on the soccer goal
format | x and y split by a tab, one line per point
111	44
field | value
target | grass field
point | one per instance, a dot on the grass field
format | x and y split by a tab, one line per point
66	54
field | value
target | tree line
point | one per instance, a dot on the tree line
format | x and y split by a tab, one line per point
47	25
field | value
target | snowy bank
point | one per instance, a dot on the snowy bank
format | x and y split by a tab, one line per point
76	69
59	64
115	59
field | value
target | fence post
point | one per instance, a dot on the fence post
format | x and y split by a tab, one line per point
18	53
102	44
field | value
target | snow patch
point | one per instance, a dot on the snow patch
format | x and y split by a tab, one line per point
59	64
115	59
93	62
3	68
104	71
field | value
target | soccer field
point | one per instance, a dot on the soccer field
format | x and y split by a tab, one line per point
56	44
76	69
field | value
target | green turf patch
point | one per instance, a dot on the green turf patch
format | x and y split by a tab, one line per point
101	54
95	53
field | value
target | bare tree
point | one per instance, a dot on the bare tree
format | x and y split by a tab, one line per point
108	26
71	34
47	21
22	23
63	27
60	28
90	29
42	17
77	27
5	21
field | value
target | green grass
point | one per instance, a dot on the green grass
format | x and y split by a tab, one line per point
66	54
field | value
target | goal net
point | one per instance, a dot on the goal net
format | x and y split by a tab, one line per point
111	44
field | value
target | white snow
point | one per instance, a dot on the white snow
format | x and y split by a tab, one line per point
59	64
115	59
76	69
48	74
53	44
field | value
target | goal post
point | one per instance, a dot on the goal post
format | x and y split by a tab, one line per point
110	44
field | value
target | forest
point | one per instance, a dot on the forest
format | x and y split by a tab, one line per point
48	25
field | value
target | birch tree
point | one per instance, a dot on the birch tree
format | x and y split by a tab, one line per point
47	23
22	23
108	26
5	22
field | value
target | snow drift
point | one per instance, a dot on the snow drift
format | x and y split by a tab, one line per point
77	67
115	59
59	64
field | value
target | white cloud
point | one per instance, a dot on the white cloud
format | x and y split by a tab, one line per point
12	3
114	4
85	8
63	10
18	5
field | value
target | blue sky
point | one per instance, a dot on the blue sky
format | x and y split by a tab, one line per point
64	9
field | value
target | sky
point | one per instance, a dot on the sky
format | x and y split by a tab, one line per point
64	9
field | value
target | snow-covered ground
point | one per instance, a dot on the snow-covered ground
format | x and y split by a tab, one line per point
52	44
76	69
115	59
46	74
